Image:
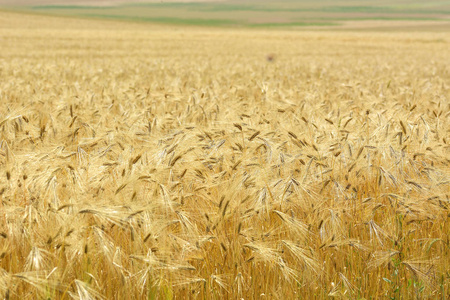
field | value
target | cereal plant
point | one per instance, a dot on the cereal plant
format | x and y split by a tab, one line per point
144	161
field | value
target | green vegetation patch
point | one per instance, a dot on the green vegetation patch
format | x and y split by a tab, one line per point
166	20
294	24
68	7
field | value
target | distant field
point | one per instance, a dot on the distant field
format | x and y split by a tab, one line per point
149	161
413	15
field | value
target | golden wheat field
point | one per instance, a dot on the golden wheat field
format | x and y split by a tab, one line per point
140	161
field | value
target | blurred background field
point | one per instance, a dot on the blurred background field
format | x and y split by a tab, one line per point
362	15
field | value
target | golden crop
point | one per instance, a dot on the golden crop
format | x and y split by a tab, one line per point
151	162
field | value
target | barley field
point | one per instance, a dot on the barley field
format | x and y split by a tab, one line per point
143	161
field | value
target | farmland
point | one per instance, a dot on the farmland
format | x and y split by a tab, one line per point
322	15
154	161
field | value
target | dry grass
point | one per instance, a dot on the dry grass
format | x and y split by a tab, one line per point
151	162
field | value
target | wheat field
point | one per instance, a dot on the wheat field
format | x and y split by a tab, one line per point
144	161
